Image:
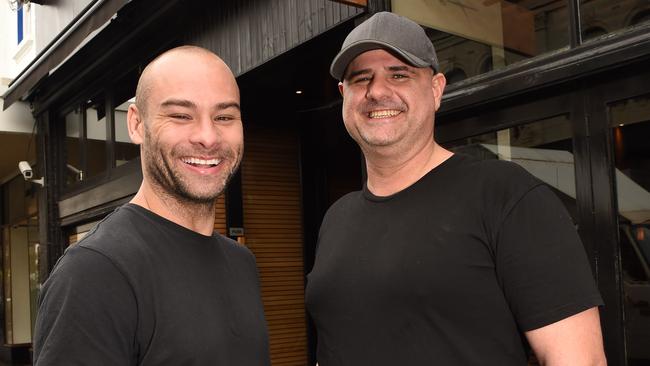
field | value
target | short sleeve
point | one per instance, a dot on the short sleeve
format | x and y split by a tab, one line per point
87	313
541	262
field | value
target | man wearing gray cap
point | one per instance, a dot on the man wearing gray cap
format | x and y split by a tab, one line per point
441	259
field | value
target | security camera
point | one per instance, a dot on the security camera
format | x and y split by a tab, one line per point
26	170
28	173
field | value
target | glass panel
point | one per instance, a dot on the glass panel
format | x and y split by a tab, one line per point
20	300
95	136
73	171
34	273
475	36
630	124
6	276
600	17
124	95
125	150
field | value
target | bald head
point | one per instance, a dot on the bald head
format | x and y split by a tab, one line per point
159	66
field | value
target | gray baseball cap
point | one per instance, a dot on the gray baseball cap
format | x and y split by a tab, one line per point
391	32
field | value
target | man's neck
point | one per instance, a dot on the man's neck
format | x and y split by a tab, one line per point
193	216
390	173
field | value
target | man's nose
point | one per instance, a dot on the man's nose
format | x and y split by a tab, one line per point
205	132
378	88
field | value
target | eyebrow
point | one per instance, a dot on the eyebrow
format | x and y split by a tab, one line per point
389	68
226	105
178	103
400	68
357	72
189	104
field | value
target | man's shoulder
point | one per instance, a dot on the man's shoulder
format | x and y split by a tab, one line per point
233	247
493	168
83	266
120	227
346	202
495	175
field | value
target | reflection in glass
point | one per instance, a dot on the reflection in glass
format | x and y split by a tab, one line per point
125	150
95	136
476	36
6	283
33	248
630	123
21	280
600	17
73	147
124	96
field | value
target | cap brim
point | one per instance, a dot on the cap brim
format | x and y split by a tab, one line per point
343	59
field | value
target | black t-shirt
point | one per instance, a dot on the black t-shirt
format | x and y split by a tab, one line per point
450	271
142	290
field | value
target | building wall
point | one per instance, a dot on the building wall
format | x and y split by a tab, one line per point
248	33
51	19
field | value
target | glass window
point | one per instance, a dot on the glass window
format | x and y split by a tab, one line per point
124	95
73	171
630	128
6	283
21	279
600	17
125	150
33	247
475	36
95	144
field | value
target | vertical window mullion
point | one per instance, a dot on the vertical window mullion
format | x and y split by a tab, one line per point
83	151
575	25
110	130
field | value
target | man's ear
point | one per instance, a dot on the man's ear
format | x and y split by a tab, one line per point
438	83
341	88
135	124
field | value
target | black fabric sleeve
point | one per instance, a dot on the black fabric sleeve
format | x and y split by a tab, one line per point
541	262
87	313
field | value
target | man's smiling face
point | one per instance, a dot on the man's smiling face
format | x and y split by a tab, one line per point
388	103
192	134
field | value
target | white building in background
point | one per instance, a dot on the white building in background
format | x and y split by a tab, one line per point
17	49
27	30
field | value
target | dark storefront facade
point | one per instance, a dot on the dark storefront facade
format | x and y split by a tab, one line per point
556	86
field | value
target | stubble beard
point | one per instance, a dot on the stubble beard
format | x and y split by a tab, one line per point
171	184
378	135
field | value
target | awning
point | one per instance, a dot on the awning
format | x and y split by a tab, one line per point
96	14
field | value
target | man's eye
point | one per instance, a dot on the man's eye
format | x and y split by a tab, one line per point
224	118
399	76
362	79
180	116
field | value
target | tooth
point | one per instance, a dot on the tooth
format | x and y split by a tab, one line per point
383	113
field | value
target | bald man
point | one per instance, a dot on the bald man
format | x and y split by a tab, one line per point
151	284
